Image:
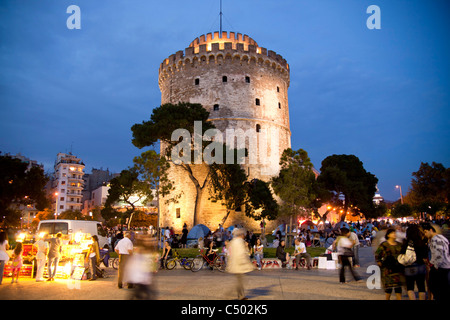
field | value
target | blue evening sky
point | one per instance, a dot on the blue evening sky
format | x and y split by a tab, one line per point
382	95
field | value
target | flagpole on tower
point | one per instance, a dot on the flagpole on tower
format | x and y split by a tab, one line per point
221	18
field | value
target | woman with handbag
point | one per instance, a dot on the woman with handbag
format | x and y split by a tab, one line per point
391	270
415	273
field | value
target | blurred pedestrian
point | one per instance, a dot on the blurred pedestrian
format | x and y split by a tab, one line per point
415	273
439	265
54	253
239	261
4	256
344	247
41	256
124	249
356	244
141	268
93	257
391	270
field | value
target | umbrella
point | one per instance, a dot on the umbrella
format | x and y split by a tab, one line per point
198	231
341	225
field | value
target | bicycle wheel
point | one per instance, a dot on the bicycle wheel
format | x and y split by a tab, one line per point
171	263
197	263
219	263
115	263
187	263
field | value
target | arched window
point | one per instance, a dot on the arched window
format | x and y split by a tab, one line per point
257	102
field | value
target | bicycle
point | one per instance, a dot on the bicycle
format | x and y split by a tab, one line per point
218	261
186	263
114	262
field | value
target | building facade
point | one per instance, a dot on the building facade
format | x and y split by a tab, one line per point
67	183
245	89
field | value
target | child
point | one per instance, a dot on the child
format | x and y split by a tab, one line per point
17	261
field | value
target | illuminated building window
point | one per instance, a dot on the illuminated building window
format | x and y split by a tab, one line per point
258	128
257	102
197	81
178	213
247	79
216	107
224	79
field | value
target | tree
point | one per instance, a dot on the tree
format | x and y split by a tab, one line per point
126	188
430	183
72	215
260	203
296	184
20	186
352	187
401	210
191	121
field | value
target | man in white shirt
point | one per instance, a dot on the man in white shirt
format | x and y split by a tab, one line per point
354	238
124	249
300	252
41	256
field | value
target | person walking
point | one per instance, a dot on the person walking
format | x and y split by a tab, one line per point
54	253
124	249
391	270
344	247
93	257
239	261
356	245
41	256
439	265
415	273
4	256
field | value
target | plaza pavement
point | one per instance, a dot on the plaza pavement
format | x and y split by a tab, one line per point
180	284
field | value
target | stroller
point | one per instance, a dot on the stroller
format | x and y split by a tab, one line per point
104	257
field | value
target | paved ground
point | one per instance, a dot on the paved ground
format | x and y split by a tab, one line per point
281	284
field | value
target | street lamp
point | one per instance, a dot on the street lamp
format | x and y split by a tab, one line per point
401	196
56	208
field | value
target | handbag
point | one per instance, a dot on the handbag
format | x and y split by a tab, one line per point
409	257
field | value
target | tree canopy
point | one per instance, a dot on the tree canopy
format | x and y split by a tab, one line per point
352	187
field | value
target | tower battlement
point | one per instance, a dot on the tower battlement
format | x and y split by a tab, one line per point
226	45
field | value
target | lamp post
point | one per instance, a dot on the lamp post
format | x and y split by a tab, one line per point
56	208
401	196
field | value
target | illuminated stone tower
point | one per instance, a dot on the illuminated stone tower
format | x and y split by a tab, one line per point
243	86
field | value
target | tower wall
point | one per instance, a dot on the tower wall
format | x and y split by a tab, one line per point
243	86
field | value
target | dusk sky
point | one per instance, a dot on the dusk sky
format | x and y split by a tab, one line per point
382	95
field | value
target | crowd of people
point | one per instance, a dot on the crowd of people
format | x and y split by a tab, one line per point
140	254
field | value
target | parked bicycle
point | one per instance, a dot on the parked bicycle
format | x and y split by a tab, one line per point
217	261
171	263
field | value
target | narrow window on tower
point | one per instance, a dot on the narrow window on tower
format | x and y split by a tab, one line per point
178	213
278	89
247	79
279	105
197	81
258	128
257	102
216	107
224	79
